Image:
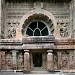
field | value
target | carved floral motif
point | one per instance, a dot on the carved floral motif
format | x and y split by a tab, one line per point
63	29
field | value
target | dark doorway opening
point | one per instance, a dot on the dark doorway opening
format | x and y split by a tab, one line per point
37	59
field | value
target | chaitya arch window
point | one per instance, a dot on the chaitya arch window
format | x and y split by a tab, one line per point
37	28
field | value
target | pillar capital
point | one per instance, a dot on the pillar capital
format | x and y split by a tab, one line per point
49	51
26	50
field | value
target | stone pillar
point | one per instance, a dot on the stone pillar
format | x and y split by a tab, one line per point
14	59
44	61
59	60
0	60
50	60
26	61
3	65
73	2
32	62
0	18
71	19
71	64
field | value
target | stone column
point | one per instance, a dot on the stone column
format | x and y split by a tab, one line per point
26	61
14	58
3	65
0	18
44	61
71	19
71	64
49	60
73	2
0	60
31	62
59	60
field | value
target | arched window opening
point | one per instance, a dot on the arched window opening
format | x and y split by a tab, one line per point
37	28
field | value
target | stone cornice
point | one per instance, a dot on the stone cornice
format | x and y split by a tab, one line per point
10	41
33	40
59	44
14	1
38	39
65	41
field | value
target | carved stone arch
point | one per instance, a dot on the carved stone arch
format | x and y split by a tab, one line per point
36	14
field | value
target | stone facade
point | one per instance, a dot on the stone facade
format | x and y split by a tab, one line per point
54	48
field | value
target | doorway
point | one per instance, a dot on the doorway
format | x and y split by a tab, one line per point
37	59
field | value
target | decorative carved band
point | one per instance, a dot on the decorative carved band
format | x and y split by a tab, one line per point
39	39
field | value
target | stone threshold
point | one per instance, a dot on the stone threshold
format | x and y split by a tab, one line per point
11	71
68	71
65	71
61	71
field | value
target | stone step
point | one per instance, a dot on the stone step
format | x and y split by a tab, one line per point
38	69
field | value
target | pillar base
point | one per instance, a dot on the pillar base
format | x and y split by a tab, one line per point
50	70
26	72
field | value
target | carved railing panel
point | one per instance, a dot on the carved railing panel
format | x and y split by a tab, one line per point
65	61
55	61
9	61
20	61
3	60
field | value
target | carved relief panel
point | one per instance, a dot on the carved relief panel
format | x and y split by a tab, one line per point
20	61
72	58
55	61
9	61
65	60
3	60
11	30
63	29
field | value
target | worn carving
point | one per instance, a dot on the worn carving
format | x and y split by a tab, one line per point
63	29
8	60
11	32
55	57
20	60
65	60
3	60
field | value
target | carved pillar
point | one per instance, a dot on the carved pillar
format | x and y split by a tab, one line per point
59	60
26	60
49	60
44	60
3	18
3	65
0	60
74	59
71	59
14	58
0	18
32	62
73	2
71	19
